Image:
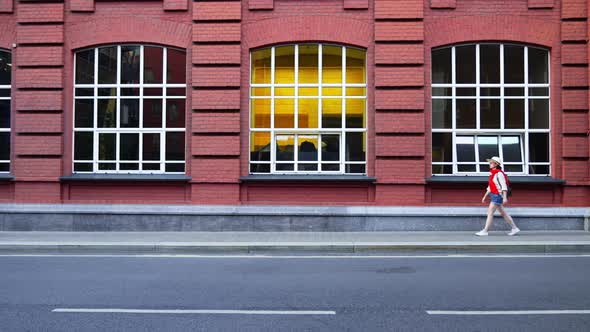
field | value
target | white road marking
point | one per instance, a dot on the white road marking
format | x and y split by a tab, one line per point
194	311
302	256
508	312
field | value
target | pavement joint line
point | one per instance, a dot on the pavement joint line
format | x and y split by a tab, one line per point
300	256
194	311
507	312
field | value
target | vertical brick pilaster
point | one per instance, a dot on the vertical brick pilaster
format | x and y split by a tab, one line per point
216	83
399	90
39	82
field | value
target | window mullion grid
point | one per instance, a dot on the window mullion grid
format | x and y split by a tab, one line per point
163	127
477	93
343	106
454	109
141	81
526	112
296	88
95	150
273	140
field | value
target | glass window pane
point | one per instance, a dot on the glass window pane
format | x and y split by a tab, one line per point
466	114
489	63
539	113
355	113
260	146
284	150
156	92
261	65
175	146
538	65
442	92
307	167
262	92
284	92
106	92
84	113
331	113
153	65
84	67
129	166
175	113
284	113
82	167
107	65
130	64
260	113
285	167
129	113
539	169
490	113
466	92
106	146
442	147
308	147
129	147
308	64
539	147
513	168
514	113
330	147
151	146
131	92
330	167
442	169
176	71
355	147
5	68
514	92
487	147
511	149
259	168
441	66
83	145
513	64
285	64
152	113
313	92
331	91
4	113
178	92
539	92
107	112
4	146
465	148
308	113
355	65
490	92
466	168
465	64
442	113
331	64
85	92
355	168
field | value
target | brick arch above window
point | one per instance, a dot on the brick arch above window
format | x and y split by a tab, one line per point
465	29
138	30
308	29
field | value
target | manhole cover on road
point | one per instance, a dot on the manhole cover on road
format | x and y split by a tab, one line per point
401	269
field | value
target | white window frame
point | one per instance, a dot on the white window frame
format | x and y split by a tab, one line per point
7	130
118	130
311	131
523	133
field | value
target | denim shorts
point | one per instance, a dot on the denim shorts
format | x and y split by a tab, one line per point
496	199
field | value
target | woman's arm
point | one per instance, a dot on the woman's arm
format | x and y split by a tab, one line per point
483	200
504	186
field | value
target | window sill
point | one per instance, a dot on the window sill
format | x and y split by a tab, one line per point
6	177
127	177
306	178
484	179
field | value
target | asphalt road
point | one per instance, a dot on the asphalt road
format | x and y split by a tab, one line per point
345	294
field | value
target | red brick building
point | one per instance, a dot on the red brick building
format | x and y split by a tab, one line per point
348	102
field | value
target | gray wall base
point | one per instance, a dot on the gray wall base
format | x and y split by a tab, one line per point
145	218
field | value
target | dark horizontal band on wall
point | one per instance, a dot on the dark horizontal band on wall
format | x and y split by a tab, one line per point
127	177
484	179
6	177
307	178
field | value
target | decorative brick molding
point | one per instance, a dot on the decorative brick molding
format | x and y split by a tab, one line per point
443	4
175	5
260	4
82	5
6	6
541	4
356	4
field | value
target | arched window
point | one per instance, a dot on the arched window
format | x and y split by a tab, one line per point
129	110
5	85
308	109
490	100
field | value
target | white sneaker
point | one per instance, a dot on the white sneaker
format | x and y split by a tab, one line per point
482	233
514	231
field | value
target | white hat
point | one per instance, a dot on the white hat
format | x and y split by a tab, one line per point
497	160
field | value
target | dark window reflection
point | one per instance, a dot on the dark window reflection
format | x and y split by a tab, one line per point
153	64
4	146
106	146
85	67
511	149
174	146
442	147
151	147
152	113
488	147
107	65
4	114
129	147
538	65
465	63
513	64
84	113
5	68
355	146
539	147
489	67
441	66
466	113
130	64
175	113
465	148
442	113
176	72
107	113
330	147
129	113
84	144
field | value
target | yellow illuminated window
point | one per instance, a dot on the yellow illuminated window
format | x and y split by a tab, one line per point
308	109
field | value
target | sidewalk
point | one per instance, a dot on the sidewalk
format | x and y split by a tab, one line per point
261	242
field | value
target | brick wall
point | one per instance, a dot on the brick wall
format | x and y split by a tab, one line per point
218	36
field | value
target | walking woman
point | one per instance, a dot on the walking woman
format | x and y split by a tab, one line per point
498	192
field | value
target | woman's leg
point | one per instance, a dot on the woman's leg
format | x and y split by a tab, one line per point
506	217
490	219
